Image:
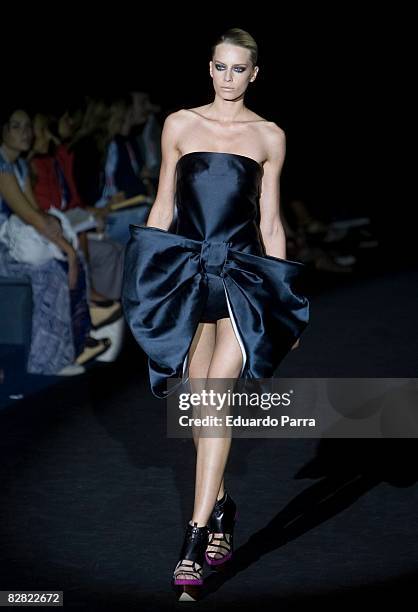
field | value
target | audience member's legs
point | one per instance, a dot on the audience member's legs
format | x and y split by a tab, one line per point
52	345
106	266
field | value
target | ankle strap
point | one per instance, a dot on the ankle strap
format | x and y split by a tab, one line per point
195	543
194	525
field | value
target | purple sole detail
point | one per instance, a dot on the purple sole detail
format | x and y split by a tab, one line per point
218	561
224	559
183	582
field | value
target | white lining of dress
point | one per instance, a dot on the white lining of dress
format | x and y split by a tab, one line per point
235	328
185	366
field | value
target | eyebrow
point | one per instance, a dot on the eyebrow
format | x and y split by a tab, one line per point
223	64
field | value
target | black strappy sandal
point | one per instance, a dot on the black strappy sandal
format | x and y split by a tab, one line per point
222	521
193	551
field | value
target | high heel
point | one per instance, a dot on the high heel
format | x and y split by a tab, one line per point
192	550
222	521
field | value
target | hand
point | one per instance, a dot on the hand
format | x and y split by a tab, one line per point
117	197
101	214
52	227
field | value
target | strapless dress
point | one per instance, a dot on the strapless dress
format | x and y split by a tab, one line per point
212	265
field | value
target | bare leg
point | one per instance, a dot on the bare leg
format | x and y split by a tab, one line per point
200	356
212	453
226	363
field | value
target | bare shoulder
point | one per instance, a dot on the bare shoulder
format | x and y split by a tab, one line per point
273	134
174	126
274	140
176	120
180	120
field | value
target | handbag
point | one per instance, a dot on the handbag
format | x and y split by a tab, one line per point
26	245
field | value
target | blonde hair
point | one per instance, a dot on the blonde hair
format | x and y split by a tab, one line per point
241	38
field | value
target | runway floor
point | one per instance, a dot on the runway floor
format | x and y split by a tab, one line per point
95	497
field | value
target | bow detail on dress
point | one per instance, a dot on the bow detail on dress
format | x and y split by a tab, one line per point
165	291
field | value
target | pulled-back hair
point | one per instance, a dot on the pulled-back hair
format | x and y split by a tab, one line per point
241	38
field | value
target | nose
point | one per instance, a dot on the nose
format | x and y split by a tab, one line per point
228	76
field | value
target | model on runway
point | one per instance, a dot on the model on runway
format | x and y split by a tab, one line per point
213	299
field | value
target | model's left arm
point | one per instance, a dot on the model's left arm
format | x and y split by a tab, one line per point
271	226
270	218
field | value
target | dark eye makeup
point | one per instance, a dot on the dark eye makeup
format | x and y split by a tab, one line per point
222	66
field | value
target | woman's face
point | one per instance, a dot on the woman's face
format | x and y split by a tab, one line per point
39	126
117	118
65	126
231	70
17	133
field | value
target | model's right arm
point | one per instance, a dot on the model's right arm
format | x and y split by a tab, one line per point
162	211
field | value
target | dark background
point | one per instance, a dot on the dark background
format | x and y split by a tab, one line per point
333	79
336	519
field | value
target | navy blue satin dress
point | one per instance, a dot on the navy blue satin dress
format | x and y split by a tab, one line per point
212	265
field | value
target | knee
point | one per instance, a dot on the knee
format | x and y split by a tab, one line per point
198	370
221	368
